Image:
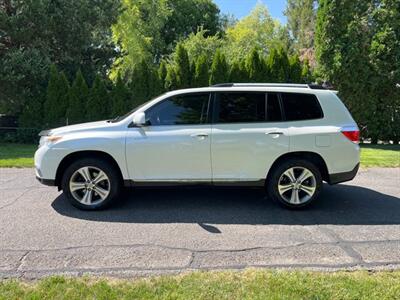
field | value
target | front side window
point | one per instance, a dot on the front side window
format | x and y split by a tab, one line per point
241	107
189	109
298	107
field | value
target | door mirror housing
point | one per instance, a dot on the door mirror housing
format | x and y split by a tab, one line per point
139	119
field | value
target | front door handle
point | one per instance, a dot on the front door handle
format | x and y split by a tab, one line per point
199	135
274	133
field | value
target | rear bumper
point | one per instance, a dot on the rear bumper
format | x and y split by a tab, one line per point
342	177
49	182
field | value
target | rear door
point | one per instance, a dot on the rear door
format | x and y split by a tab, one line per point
247	136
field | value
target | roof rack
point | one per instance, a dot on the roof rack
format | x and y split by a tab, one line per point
286	85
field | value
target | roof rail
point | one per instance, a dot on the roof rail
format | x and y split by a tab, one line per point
286	85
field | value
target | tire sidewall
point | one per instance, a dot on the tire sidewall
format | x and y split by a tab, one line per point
106	167
272	185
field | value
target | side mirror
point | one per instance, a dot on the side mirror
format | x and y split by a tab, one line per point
139	119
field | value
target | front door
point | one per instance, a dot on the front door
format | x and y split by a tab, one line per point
175	146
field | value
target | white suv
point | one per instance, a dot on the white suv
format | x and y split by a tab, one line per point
287	138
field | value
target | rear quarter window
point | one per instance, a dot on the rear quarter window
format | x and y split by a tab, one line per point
300	107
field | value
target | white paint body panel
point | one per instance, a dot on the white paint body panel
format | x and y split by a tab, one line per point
230	152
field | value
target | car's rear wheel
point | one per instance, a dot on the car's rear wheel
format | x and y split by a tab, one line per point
91	184
295	183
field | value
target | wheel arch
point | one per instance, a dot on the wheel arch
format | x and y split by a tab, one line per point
72	157
306	155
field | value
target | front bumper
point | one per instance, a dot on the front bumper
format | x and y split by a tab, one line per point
345	176
49	182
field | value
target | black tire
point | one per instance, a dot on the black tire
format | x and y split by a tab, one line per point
112	184
277	177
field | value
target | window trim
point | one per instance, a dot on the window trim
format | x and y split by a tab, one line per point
208	120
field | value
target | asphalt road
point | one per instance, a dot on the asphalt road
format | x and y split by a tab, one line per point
354	225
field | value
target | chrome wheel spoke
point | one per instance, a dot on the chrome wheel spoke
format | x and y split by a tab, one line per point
294	198
76	186
100	177
290	174
304	176
284	188
87	197
85	173
308	189
101	192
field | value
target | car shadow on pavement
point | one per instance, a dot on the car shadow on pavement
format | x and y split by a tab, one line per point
338	205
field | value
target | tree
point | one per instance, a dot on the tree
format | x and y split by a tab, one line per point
257	30
301	15
162	75
202	44
219	69
144	83
306	74
36	33
295	74
56	102
78	97
278	65
171	80
98	103
149	29
183	71
238	72
256	67
121	98
201	78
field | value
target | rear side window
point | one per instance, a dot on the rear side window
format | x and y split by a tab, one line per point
189	109
298	107
241	107
274	113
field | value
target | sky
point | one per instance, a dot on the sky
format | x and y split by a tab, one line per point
241	8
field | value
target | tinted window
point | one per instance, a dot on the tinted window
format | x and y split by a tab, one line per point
301	107
274	113
241	107
180	110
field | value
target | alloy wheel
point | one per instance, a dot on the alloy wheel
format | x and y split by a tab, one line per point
89	185
297	185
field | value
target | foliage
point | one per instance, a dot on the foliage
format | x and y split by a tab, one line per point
121	99
36	33
57	101
357	44
97	107
256	67
278	64
149	29
78	94
201	77
295	73
183	71
256	30
219	69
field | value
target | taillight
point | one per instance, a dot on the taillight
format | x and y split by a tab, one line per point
352	135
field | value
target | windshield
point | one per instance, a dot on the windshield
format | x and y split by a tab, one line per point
120	118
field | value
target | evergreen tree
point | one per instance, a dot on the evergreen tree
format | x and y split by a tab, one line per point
32	114
201	72
162	75
256	67
295	75
145	82
98	104
120	97
183	71
306	74
56	102
171	80
78	97
278	64
238	72
219	69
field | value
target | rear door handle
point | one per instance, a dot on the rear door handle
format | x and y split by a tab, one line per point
274	133
199	135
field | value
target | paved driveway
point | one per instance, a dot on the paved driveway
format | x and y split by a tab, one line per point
173	230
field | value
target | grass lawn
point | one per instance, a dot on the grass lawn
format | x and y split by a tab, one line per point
250	284
19	155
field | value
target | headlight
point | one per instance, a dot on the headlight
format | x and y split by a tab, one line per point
46	140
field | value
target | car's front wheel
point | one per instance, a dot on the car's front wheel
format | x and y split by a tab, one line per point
295	183
91	184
